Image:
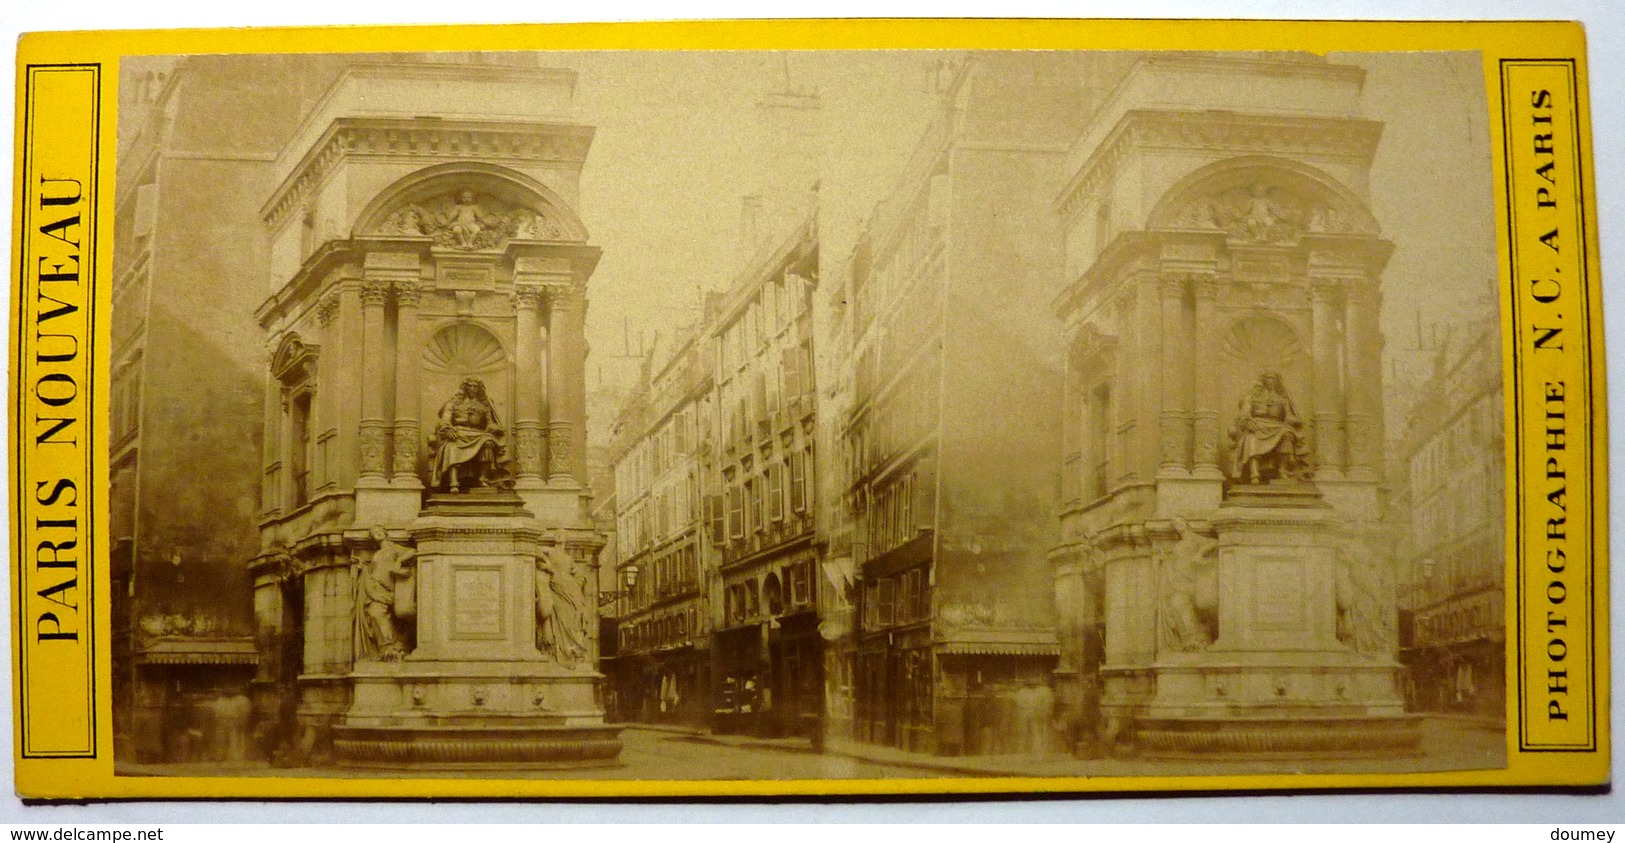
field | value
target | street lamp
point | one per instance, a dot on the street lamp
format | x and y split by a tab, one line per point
630	575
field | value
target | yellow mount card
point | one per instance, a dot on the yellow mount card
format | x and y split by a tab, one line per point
817	407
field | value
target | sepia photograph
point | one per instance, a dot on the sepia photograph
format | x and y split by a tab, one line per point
746	415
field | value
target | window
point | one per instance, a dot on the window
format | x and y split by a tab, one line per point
299	456
775	492
736	513
801	583
908	597
761	513
886	613
753	515
798	477
808	478
715	518
681	431
759	405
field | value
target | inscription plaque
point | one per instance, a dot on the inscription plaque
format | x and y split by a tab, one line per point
476	598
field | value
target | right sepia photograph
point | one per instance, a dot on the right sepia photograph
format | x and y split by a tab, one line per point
800	415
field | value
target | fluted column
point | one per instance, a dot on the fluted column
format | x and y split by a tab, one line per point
1175	432
1205	419
373	427
527	426
1360	340
566	369
1330	457
407	351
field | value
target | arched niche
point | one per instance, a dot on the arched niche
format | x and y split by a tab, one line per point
470	206
1262	200
458	350
1252	345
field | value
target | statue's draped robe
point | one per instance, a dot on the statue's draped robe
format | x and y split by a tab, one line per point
561	611
1189	587
384	581
456	444
1267	424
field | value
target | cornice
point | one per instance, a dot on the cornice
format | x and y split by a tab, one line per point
1232	134
408	138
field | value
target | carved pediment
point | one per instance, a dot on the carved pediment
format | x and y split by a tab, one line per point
1091	341
470	221
294	360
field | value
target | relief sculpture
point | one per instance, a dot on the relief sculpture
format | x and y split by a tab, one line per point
1189	607
563	611
470	223
385	598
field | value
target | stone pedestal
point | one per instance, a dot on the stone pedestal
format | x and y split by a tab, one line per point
1277	680
476	690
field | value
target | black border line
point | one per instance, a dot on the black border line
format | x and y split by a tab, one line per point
1586	385
88	279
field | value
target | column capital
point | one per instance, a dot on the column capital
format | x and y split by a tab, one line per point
1322	288
560	294
1360	291
1203	285
528	296
1172	283
327	309
407	293
373	293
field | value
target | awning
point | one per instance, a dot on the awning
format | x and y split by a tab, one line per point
199	651
997	648
840	571
1000	642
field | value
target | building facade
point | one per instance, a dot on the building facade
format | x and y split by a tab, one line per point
1221	588
950	366
1452	585
760	510
415	267
662	666
195	155
719	614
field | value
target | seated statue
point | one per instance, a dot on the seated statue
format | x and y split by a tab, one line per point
1266	440
467	442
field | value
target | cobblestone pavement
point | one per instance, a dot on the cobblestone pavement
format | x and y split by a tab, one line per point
668	753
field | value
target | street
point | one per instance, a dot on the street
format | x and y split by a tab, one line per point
670	754
651	754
